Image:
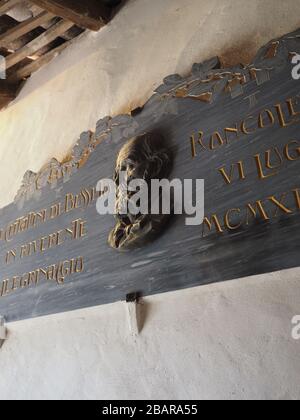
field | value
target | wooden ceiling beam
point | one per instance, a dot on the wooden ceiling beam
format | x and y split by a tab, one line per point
29	49
6	5
28	69
23	28
88	14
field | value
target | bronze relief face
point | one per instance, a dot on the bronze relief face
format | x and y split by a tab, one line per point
146	157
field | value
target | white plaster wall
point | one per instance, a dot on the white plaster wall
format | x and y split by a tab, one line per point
225	341
231	340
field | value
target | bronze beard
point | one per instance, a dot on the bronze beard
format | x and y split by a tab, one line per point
145	157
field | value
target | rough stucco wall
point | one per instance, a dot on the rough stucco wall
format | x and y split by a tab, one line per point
225	341
230	340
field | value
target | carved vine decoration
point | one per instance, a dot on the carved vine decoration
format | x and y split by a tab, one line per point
206	82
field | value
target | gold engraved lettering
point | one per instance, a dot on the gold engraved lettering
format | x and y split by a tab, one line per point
291	107
268	159
228	178
253	210
229	130
235	218
24	251
78	229
194	142
271	118
69	203
227	219
25	281
14	284
34	277
24	224
244	128
55	211
79	265
259	164
72	265
42	244
216	140
282	121
11	255
279	204
264	119
287	152
4	287
297	197
51	272
56	272
210	222
61	272
44	272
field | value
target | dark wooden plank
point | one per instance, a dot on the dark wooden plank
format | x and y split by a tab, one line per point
38	43
89	14
6	5
27	70
6	24
23	28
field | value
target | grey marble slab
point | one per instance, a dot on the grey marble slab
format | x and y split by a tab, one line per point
210	99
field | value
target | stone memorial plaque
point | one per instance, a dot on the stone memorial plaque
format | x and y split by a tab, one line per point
237	128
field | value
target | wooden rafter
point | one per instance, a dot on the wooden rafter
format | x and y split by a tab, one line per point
38	43
6	5
89	14
23	28
28	69
49	27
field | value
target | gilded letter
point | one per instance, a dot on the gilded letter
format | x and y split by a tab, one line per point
227	220
287	152
257	208
228	178
216	140
209	224
297	197
279	204
281	117
69	203
199	141
9	255
229	130
244	128
291	107
259	165
270	116
4	288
